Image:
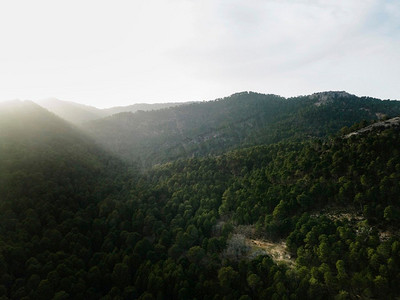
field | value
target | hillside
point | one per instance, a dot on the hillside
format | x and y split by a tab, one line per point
380	125
140	106
333	204
241	120
53	180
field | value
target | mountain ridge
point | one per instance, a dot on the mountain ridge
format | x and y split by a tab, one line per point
77	113
242	119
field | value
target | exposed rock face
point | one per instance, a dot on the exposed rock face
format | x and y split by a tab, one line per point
394	122
327	97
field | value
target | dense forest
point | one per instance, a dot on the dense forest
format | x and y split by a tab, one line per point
306	210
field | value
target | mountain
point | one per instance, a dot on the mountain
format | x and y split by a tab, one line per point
184	130
78	113
53	180
29	131
42	155
241	120
73	112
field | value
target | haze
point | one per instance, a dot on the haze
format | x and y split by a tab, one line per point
108	53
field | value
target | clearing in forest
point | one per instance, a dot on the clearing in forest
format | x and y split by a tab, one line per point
277	251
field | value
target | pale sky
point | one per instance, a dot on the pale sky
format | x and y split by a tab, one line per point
108	53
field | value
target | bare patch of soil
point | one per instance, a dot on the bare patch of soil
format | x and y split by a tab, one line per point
277	251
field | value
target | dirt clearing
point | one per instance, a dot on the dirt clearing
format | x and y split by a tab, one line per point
277	251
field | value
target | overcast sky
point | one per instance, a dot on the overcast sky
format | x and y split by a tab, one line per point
107	53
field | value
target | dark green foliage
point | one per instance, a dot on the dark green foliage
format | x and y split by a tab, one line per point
52	184
77	223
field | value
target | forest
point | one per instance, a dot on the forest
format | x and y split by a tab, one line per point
81	221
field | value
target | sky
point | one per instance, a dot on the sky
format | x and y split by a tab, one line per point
108	53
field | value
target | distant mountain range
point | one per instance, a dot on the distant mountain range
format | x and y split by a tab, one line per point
78	113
